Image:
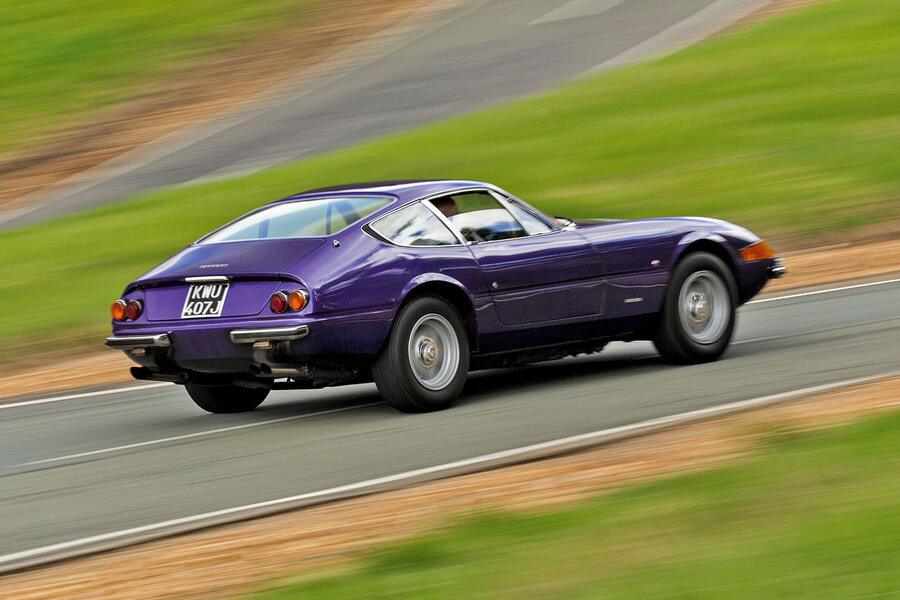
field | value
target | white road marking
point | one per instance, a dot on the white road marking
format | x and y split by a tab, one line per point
133	388
576	9
187	436
699	26
826	291
417	474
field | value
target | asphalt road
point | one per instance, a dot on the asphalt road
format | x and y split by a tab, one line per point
479	53
90	466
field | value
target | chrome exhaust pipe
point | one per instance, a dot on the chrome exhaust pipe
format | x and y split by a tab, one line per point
266	370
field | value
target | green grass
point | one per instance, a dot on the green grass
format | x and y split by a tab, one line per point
815	516
790	128
62	59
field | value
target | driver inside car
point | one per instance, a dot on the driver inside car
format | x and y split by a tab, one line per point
447	206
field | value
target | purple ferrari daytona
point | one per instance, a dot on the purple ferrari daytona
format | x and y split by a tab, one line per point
413	284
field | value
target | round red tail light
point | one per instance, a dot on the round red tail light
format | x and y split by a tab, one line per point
278	302
298	299
133	309
117	310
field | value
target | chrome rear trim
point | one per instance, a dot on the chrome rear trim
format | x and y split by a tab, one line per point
273	334
207	278
127	342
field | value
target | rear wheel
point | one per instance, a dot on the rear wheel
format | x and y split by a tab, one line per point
424	364
226	398
698	316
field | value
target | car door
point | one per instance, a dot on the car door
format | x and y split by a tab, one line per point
533	275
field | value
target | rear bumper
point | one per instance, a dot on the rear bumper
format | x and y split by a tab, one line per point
232	345
270	334
237	336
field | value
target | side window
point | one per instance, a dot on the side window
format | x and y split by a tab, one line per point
530	222
414	225
479	217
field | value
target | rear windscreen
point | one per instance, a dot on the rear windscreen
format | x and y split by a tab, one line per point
299	219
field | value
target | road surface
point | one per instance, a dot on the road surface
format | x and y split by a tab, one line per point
94	465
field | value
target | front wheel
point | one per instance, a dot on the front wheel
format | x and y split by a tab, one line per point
698	315
226	398
424	363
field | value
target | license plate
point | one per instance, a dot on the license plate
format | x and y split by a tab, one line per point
204	300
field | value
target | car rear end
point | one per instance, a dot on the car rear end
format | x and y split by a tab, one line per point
237	312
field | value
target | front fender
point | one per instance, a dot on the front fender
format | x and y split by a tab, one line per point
749	277
696	236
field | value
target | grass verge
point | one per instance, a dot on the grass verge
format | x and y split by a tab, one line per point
815	515
789	128
63	59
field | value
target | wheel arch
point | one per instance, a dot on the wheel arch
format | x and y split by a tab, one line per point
712	243
450	290
669	338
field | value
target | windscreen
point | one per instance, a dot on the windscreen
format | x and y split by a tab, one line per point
299	219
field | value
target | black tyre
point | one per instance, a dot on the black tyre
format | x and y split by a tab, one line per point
226	398
698	314
424	363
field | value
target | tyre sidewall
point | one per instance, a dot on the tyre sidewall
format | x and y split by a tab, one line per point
420	397
676	339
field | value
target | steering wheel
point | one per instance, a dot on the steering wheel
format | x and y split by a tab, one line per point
472	234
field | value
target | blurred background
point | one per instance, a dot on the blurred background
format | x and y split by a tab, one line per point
128	130
176	117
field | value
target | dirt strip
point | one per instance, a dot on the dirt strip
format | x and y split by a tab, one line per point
51	373
202	90
775	8
237	559
838	263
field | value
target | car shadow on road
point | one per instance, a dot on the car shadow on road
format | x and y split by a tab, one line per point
484	385
624	362
480	385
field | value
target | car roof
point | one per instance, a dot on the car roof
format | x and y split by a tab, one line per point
404	189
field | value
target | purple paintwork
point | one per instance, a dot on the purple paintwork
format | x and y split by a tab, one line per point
572	285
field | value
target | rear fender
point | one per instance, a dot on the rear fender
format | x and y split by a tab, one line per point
431	278
451	289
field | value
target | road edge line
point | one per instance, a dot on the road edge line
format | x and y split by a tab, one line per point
698	26
117	390
825	291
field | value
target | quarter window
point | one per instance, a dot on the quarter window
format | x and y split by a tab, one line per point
414	225
532	224
479	217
